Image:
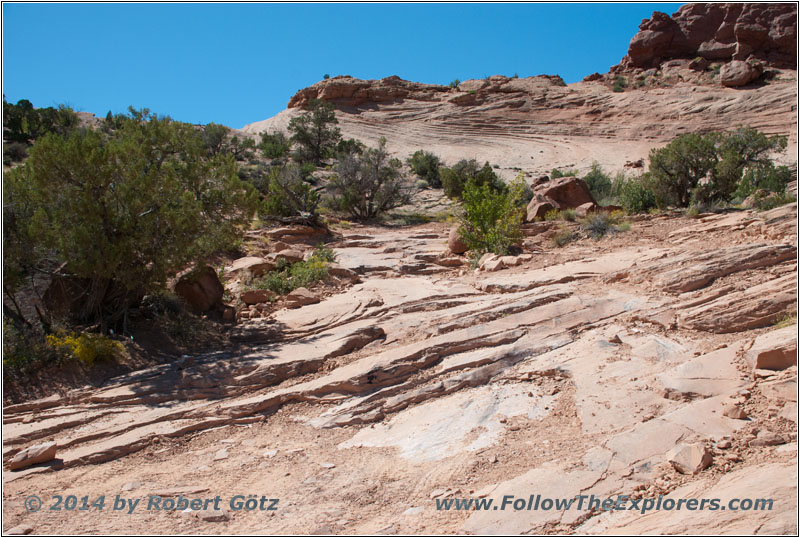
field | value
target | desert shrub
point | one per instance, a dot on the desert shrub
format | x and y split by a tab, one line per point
14	152
633	195
675	170
130	207
326	76
86	347
765	176
426	165
287	277
597	225
455	179
25	124
351	146
314	133
598	182
774	200
24	348
553	214
274	145
620	83
713	167
421	184
563	237
569	215
555	173
242	149
214	137
289	193
367	185
455	83
490	219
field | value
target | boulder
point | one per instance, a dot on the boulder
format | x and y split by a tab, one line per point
689	458
343	272
32	455
252	297
494	264
776	350
584	209
738	73
255	265
290	255
454	242
538	207
767	438
561	193
566	192
201	289
300	297
734	411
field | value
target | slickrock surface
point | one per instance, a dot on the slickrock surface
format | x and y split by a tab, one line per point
582	370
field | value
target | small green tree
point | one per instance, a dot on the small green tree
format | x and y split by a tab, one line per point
490	220
369	184
123	210
426	165
214	136
274	145
675	170
242	149
314	133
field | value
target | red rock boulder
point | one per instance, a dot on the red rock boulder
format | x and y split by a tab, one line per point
201	289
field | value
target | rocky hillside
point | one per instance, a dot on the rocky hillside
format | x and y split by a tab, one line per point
537	123
644	364
657	362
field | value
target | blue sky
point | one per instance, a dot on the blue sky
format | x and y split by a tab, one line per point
239	63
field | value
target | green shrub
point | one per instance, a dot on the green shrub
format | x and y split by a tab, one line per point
25	124
129	208
289	193
214	137
454	179
774	200
712	167
555	173
274	145
633	195
351	146
426	165
455	83
14	152
598	182
24	349
421	184
553	214
620	83
490	219
367	185
287	277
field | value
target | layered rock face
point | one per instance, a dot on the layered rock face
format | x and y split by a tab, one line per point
767	32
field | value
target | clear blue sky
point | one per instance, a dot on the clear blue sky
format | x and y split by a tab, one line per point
239	63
